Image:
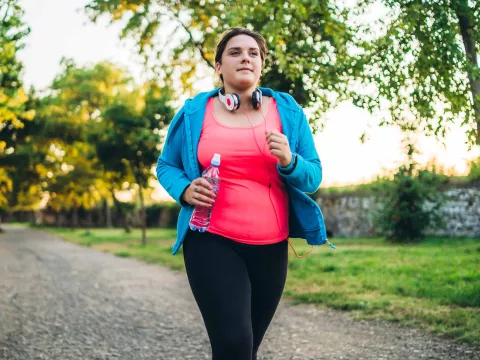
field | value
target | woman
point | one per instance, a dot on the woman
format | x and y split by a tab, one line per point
237	268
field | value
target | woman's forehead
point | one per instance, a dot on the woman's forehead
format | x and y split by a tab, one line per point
242	41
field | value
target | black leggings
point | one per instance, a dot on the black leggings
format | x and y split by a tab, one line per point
237	288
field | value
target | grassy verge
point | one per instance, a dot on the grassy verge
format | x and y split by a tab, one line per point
433	285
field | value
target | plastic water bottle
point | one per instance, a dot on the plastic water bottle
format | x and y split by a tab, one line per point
201	215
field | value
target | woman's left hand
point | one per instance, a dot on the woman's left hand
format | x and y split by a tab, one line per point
279	147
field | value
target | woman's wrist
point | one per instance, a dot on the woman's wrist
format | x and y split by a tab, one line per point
182	197
286	170
287	161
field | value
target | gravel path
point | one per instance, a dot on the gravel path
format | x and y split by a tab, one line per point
61	301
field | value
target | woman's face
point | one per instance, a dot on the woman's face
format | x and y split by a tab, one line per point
241	65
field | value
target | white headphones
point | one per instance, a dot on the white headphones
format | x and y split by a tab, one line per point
232	101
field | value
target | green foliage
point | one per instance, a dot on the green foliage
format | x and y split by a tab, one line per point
5	187
75	176
70	116
420	61
22	162
124	208
128	141
474	173
58	151
13	100
308	41
154	213
409	204
12	95
25	173
79	184
358	189
132	134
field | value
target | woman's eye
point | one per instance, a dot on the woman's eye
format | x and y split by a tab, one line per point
253	53
234	53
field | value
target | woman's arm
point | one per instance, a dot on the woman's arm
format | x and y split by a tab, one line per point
170	171
304	172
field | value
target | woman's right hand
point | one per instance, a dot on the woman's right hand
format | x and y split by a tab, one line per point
200	192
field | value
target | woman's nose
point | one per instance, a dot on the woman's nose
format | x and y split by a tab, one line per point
245	57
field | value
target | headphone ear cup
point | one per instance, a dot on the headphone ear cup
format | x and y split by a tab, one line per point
229	102
257	99
236	102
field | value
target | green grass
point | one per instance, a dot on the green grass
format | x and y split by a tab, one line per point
433	285
117	241
16	224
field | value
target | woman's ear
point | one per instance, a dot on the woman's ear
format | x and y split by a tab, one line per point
218	68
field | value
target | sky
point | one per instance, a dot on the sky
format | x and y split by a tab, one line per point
60	28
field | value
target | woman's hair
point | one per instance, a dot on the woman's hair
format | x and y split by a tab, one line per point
232	32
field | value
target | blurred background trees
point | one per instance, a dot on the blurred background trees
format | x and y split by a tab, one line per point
94	132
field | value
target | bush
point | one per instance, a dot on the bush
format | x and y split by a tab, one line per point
409	204
474	173
168	210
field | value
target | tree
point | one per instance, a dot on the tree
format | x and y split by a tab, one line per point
474	173
77	184
70	113
410	203
421	60
21	163
424	65
308	41
5	187
129	142
25	175
12	95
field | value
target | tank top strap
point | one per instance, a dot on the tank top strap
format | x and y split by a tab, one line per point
209	119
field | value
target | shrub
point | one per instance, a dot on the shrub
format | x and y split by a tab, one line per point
474	173
155	211
409	204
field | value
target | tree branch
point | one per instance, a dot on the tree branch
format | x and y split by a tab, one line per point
6	13
467	31
197	44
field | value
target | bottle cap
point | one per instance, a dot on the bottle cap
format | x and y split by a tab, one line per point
215	160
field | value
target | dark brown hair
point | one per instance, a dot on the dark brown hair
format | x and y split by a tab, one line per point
232	32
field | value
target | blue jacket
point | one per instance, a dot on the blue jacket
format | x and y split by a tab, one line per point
178	166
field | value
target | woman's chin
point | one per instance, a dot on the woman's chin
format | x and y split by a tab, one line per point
244	83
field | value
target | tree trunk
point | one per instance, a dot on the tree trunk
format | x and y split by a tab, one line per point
88	228
75	216
108	213
143	216
468	36
1	230
126	225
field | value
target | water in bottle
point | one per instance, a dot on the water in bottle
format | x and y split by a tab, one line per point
201	215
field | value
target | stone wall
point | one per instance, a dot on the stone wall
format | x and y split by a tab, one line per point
350	215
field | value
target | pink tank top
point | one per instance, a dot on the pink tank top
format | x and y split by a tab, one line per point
252	203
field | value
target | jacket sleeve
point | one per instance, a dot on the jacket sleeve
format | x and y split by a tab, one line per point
307	174
170	170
